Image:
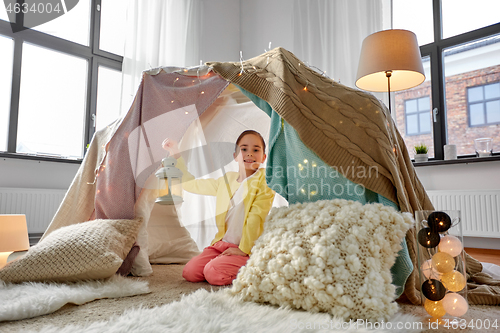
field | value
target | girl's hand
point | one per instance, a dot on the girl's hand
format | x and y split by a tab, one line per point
171	146
233	251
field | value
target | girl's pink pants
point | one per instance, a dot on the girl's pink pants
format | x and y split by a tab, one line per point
216	269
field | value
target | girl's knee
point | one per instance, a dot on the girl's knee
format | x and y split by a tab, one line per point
192	273
218	277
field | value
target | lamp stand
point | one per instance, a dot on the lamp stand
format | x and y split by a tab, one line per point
388	74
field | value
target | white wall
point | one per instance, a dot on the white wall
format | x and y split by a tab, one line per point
467	176
220	32
20	173
264	21
229	27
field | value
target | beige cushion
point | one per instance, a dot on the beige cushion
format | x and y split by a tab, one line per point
88	250
327	256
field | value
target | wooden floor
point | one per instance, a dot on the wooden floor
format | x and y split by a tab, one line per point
485	255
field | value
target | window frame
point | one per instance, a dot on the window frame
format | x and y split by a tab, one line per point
418	112
483	102
95	57
435	51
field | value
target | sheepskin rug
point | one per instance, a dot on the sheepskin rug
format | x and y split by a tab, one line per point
31	299
327	256
204	311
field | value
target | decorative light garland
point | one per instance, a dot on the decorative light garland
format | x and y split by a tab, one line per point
443	278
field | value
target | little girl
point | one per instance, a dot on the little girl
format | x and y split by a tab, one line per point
243	202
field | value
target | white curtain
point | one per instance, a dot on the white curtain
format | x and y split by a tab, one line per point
159	33
328	34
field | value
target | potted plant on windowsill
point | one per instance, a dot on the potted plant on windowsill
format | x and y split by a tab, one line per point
421	151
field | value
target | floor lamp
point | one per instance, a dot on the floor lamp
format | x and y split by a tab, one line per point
390	61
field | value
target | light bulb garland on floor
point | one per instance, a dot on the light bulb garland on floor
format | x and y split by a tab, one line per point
443	280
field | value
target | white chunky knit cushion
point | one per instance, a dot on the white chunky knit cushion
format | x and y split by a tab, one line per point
88	250
327	256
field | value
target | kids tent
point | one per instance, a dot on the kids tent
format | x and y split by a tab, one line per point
325	141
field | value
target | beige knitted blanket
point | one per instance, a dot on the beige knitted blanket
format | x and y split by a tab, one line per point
346	128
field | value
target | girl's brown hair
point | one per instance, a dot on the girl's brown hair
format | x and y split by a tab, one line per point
250	132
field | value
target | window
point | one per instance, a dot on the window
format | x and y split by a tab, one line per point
461	60
57	83
51	98
483	103
413	113
468	69
418	119
6	57
415	16
108	92
73	26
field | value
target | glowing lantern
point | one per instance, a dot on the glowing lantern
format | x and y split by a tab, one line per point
443	262
453	281
434	308
451	245
455	305
169	181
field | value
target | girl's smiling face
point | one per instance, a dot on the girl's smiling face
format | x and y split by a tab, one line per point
250	153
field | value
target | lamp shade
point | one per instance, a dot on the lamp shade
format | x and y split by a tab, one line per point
13	233
390	50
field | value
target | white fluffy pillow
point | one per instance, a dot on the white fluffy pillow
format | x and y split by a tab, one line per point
88	250
331	256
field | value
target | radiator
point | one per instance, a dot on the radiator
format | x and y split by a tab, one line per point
479	209
39	205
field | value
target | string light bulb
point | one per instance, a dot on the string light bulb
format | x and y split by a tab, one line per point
434	308
305	88
443	262
428	238
455	304
433	290
451	245
439	221
453	281
429	271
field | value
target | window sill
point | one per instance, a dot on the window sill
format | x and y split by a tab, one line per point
460	160
41	158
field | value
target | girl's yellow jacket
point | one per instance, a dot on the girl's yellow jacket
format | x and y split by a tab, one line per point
257	198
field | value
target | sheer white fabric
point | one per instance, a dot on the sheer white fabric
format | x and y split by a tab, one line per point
328	34
159	33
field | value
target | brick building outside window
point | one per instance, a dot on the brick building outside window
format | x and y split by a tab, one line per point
461	131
